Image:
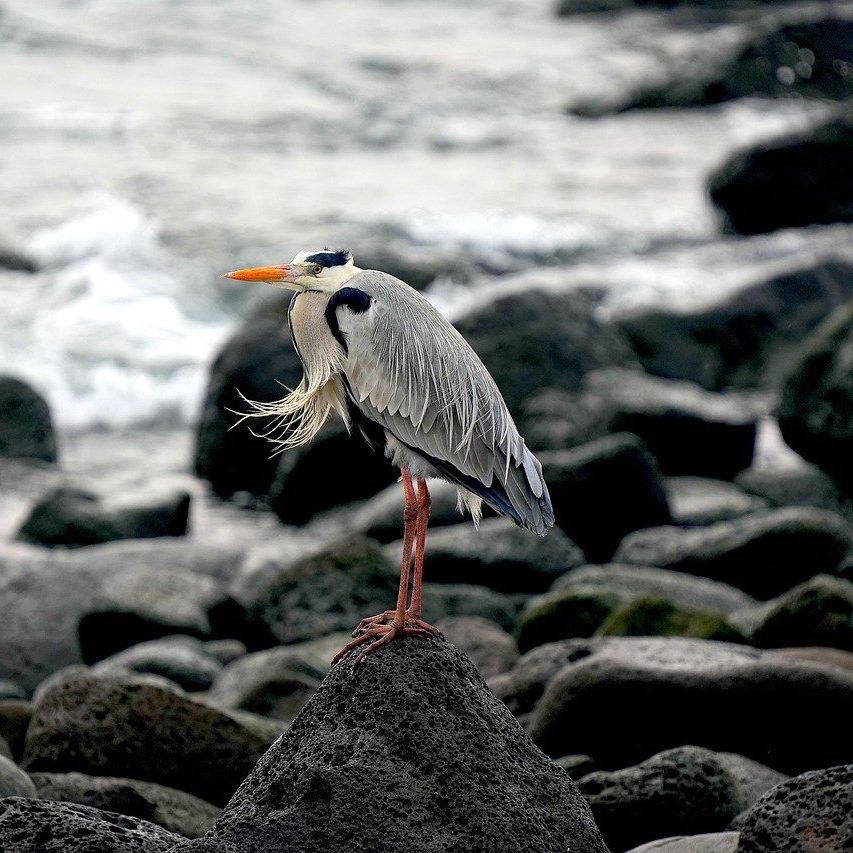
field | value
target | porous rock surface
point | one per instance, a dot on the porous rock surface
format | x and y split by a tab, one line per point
409	752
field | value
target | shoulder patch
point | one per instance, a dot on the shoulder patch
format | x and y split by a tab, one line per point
352	298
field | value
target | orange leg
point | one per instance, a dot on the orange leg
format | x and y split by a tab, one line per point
413	614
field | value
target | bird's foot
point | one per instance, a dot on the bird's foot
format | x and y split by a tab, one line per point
385	618
416	622
382	635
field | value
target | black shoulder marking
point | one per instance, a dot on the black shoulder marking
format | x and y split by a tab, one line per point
327	258
351	297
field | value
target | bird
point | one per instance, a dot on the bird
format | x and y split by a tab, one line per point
383	358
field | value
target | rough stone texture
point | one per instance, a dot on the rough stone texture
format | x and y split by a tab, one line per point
491	649
331	590
687	429
711	842
13	781
696	501
818	612
763	554
812	812
74	518
174	810
684	790
499	555
462	599
301	487
554	339
720	696
15	715
603	490
181	659
802	485
748	339
448	770
816	407
122	727
26	428
255	362
814	654
41	826
790	182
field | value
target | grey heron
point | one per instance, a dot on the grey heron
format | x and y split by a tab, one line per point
381	356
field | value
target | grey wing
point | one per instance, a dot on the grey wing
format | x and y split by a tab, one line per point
411	372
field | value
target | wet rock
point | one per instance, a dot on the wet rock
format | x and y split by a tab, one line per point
13	781
813	811
749	338
309	791
687	429
180	659
711	842
73	518
696	501
499	555
255	362
816	407
716	695
26	428
762	554
818	612
491	649
554	339
120	726
40	826
686	790
651	617
335	468
174	810
331	590
15	716
790	182
603	490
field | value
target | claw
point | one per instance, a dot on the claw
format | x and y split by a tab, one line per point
384	634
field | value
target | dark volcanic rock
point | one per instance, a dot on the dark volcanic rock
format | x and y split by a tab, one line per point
257	360
710	842
491	649
499	555
750	338
41	826
720	696
13	781
813	812
74	517
801	485
763	554
449	769
335	468
799	180
26	428
684	790
118	726
553	340
15	715
698	500
688	430
816	613
603	491
464	599
167	807
816	408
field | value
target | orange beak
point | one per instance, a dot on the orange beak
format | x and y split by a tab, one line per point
270	274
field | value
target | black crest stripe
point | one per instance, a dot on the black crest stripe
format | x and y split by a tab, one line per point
330	259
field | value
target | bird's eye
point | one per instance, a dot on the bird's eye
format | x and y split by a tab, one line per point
316	269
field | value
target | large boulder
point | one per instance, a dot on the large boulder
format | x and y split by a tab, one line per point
747	339
802	484
816	407
174	810
763	554
811	812
491	649
720	696
695	501
254	363
499	555
26	428
686	790
74	517
707	842
799	180
408	752
603	490
13	781
41	826
122	726
554	339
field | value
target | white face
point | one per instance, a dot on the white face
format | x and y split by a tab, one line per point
315	275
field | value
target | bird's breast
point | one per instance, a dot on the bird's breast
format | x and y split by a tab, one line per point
320	353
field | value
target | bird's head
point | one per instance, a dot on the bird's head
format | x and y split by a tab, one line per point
322	270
